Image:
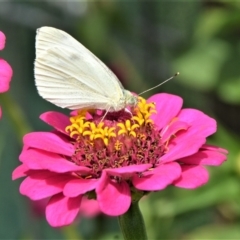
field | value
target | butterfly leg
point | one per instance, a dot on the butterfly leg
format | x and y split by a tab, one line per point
128	111
105	114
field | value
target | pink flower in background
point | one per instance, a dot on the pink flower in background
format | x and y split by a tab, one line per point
5	70
5	75
2	40
118	159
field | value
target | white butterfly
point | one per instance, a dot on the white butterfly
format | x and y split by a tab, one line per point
70	76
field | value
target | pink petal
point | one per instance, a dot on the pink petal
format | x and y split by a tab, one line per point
188	142
192	177
39	159
79	186
157	179
49	142
61	210
5	75
57	120
2	40
172	129
128	170
214	148
114	198
20	171
201	124
42	184
205	157
167	107
183	145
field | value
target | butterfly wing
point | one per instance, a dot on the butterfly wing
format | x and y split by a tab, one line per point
70	76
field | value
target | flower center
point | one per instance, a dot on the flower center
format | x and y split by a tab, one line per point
120	139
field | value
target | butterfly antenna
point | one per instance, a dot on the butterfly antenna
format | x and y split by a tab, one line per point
176	74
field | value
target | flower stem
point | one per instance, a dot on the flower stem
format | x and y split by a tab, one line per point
132	224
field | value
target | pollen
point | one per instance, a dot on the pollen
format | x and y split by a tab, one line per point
118	145
78	125
93	130
127	128
105	134
143	112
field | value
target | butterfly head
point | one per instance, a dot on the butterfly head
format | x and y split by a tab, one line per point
130	99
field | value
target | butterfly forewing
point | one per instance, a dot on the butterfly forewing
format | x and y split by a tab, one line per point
69	75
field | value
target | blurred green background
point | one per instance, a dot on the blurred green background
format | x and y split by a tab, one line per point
144	43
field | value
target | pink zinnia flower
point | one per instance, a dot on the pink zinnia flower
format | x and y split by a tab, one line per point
5	68
116	160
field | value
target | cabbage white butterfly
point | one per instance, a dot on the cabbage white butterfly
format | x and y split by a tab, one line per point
68	75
